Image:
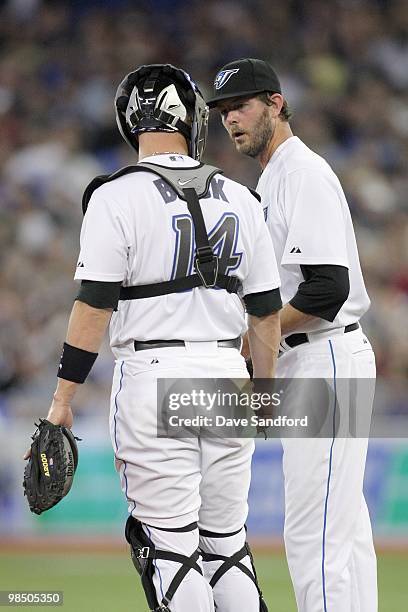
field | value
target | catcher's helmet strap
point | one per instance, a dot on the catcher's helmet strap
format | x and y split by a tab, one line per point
175	122
150	82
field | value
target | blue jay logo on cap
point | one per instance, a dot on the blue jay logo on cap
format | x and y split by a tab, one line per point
223	77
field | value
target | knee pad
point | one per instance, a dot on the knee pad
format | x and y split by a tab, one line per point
234	560
144	553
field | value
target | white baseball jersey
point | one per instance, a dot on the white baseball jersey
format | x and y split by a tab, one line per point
310	223
137	230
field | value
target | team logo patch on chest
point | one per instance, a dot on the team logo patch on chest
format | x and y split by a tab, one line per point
223	77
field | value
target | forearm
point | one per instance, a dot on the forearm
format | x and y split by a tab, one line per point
87	326
291	319
245	351
264	335
86	329
259	307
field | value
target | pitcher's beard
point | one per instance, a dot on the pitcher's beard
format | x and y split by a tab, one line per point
258	141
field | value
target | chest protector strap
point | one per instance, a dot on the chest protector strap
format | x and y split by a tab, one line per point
190	184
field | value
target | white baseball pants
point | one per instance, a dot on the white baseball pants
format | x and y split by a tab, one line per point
328	535
170	483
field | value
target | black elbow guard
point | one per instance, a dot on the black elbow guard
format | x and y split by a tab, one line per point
323	292
99	294
263	303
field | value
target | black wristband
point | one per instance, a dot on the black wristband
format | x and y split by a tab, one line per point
75	363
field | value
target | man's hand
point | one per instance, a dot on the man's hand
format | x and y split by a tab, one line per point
60	413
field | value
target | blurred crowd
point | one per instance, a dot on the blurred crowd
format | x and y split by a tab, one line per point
344	71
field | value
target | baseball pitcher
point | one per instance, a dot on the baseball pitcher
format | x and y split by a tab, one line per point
328	535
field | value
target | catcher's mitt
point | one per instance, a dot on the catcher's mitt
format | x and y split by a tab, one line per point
50	469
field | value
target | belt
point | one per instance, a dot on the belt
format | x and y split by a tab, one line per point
155	344
297	339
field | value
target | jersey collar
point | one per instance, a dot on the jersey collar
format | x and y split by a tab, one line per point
172	159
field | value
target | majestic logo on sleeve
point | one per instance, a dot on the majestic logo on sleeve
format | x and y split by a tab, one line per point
223	77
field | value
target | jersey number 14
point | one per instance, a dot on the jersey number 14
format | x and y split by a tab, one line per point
223	238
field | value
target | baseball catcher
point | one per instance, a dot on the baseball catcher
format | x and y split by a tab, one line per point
51	466
168	246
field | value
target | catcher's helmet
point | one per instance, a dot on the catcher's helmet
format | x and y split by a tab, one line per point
161	98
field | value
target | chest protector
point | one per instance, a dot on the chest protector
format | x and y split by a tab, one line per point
190	184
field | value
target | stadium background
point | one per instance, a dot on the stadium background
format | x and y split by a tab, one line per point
343	66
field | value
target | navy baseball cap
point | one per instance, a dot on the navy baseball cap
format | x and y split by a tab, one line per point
244	77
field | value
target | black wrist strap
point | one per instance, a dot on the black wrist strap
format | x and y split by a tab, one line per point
75	363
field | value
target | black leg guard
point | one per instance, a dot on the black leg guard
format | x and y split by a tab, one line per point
143	553
234	560
140	548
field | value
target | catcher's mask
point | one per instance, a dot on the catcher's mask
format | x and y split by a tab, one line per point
161	98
